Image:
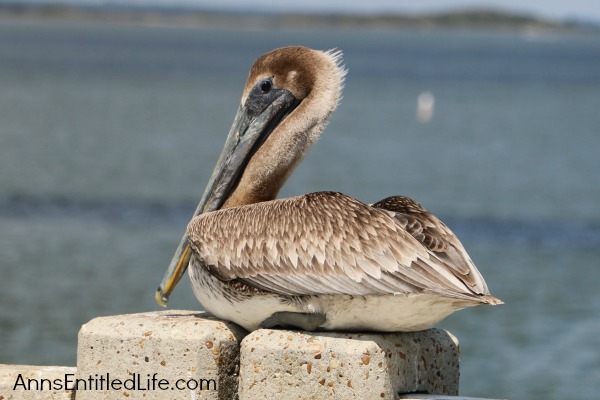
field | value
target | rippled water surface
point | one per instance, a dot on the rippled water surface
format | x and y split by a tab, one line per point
108	135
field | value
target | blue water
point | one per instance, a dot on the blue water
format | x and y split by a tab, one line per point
109	133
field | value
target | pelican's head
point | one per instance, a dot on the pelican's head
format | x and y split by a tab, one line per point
286	103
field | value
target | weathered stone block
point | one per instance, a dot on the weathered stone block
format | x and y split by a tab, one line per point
25	382
303	365
168	354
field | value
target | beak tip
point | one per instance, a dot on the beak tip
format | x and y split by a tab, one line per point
161	300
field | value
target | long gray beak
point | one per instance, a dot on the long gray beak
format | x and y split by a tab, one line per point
253	123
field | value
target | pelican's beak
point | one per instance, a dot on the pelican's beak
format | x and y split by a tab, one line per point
254	122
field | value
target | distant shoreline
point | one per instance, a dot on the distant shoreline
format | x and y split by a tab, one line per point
195	17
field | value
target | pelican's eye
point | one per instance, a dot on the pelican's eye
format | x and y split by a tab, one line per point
266	85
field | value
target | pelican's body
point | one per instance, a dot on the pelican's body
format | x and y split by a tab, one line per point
322	260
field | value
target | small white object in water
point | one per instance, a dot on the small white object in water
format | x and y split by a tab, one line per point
425	106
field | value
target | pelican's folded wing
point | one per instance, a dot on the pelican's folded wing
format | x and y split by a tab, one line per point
322	243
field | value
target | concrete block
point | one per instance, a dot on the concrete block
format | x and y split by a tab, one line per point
277	364
438	397
25	382
169	354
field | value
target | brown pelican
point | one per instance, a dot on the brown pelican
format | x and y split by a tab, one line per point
323	260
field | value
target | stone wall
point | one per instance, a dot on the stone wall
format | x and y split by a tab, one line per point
191	355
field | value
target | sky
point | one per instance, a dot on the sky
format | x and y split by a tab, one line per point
550	9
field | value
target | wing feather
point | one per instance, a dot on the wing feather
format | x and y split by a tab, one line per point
444	246
329	243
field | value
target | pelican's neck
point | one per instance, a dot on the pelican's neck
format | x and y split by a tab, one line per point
272	164
275	160
253	193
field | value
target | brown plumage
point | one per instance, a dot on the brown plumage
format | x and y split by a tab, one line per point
329	243
322	260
